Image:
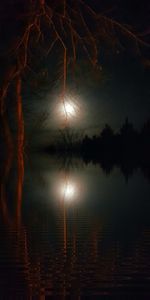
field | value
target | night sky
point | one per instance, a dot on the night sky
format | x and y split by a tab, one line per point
117	88
121	91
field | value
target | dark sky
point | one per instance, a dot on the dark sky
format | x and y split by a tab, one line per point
126	92
121	90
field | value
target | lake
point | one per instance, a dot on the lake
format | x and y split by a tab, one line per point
73	230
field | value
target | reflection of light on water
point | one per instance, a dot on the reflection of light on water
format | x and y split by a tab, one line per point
67	186
68	190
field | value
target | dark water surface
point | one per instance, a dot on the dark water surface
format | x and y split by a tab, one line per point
74	231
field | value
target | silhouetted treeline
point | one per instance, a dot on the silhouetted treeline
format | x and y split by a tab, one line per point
128	149
125	142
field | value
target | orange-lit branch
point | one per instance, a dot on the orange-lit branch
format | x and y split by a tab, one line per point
20	147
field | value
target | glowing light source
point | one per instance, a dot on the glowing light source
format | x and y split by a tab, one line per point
68	190
68	109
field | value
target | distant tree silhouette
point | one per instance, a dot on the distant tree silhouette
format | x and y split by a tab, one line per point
87	145
107	138
107	132
127	129
128	136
